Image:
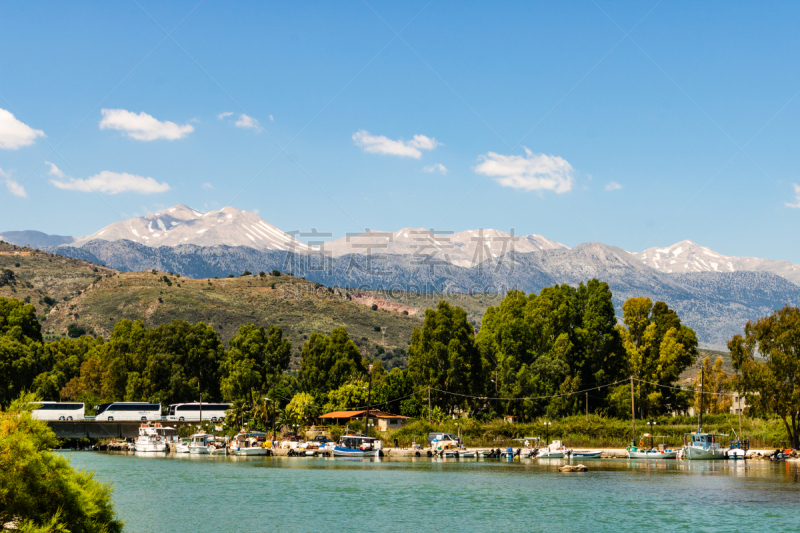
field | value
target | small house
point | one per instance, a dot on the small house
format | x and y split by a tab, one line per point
383	421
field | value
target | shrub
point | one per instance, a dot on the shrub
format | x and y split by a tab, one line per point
230	275
75	331
247	273
40	490
276	273
375	308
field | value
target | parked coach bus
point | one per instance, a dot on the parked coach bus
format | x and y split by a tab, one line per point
191	411
58	411
129	411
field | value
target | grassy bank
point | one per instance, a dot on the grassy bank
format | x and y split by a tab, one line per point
597	432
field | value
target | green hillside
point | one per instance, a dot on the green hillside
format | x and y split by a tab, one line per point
94	298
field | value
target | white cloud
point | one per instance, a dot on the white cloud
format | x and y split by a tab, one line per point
113	183
438	167
226	114
613	186
15	134
797	196
531	172
379	144
271	118
246	122
16	189
208	186
54	170
142	127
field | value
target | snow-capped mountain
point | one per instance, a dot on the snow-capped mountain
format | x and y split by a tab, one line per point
687	256
466	248
183	225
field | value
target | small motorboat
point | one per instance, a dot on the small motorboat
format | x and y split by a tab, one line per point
182	446
643	452
198	443
554	450
585	455
466	454
246	444
357	446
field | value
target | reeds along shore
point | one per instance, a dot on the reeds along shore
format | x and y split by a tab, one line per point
597	432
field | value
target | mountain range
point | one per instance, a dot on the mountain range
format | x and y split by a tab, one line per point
713	293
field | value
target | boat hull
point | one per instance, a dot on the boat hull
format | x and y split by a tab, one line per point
181	448
341	451
249	452
198	450
672	454
694	453
588	455
550	455
150	448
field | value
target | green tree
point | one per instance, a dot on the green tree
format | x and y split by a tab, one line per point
556	342
716	387
256	359
17	314
768	361
302	407
349	396
658	349
328	362
443	355
39	489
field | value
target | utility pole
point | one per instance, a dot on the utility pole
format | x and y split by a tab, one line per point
633	415
274	407
739	403
429	405
369	402
383	332
587	406
199	386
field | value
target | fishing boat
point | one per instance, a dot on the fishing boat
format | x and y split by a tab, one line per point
247	444
198	443
703	446
217	446
150	439
643	452
357	446
555	450
699	445
182	446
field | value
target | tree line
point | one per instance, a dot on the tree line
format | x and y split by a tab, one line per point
533	356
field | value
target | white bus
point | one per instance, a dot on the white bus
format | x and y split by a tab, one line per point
191	411
58	411
129	411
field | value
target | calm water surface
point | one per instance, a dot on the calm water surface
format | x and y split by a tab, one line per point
190	493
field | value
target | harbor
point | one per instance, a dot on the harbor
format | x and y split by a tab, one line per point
405	494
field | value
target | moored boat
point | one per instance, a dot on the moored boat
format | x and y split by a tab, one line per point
182	446
703	446
247	444
357	446
586	455
150	439
198	443
554	450
643	452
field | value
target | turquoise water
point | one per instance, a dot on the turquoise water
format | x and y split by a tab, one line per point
190	493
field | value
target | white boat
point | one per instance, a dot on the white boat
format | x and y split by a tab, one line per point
198	443
643	452
247	445
217	446
554	450
586	454
464	454
150	439
652	454
357	446
703	446
182	446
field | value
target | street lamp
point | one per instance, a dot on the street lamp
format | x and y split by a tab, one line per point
547	437
650	428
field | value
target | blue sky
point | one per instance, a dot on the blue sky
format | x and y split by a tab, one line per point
636	124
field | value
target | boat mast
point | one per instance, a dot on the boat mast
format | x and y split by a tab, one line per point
369	403
633	415
702	376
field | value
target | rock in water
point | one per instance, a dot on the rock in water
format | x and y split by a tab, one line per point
570	468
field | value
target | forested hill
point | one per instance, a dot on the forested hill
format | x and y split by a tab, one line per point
73	296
